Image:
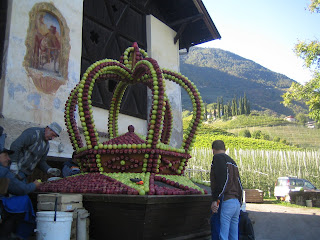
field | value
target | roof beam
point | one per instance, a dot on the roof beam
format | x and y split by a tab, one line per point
183	24
187	20
207	19
180	31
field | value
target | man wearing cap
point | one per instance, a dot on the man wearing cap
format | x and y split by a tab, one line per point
31	149
14	186
17	214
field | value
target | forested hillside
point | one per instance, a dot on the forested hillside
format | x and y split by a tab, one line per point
219	73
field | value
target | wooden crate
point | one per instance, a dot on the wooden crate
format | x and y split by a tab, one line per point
65	202
253	195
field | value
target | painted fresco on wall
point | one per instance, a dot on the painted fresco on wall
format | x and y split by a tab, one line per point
48	48
47	43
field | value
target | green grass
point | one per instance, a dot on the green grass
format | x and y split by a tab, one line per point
205	140
210	132
294	134
250	121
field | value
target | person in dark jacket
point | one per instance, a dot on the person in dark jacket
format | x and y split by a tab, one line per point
70	168
226	185
16	207
31	149
15	187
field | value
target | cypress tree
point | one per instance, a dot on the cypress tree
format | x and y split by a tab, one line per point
234	107
218	105
229	109
222	106
226	112
245	104
215	110
240	107
205	112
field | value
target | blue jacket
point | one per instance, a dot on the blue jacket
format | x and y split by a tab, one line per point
16	187
30	149
70	168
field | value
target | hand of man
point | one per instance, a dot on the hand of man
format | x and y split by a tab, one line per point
14	168
37	183
214	206
54	171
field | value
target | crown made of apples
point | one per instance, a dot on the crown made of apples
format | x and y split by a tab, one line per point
130	152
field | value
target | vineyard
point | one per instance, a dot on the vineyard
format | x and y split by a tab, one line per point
251	121
233	142
260	161
259	169
294	134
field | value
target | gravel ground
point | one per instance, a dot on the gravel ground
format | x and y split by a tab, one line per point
272	222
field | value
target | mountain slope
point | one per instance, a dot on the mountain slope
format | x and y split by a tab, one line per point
219	73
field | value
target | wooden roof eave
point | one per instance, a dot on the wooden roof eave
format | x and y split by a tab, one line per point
203	15
207	19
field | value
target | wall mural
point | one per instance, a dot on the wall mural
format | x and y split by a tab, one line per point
48	48
47	43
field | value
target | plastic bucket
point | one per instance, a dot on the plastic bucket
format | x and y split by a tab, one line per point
48	229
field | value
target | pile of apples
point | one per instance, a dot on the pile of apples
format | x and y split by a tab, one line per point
88	183
119	183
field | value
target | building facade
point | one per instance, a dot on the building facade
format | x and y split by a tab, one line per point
46	46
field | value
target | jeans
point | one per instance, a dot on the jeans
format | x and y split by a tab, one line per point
229	219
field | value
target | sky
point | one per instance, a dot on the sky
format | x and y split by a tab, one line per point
265	31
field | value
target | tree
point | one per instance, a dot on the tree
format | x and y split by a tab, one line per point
219	107
308	93
205	112
257	134
301	118
276	139
229	109
248	108
215	110
222	109
245	133
241	108
265	136
246	105
226	110
234	107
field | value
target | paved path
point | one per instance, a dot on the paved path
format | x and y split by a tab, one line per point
273	222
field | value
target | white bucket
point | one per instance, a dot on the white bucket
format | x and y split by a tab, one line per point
48	229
